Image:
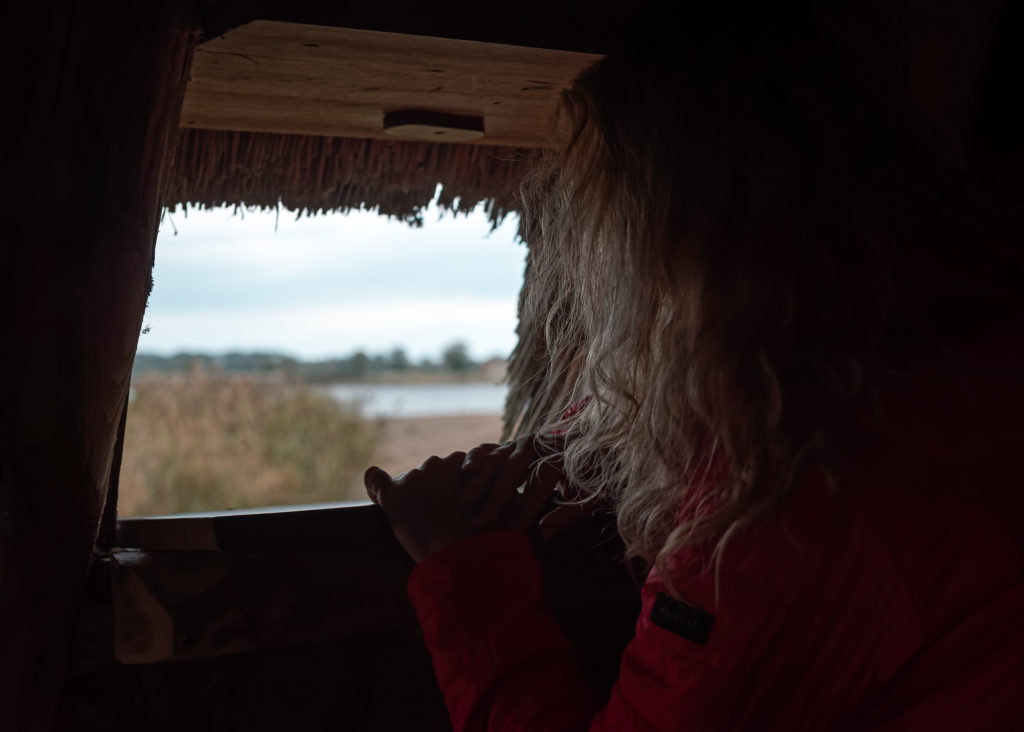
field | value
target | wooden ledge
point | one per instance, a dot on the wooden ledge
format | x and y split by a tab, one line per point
319	525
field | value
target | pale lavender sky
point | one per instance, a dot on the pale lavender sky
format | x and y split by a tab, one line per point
327	285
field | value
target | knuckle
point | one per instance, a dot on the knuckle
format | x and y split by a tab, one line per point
480	453
504	448
456	457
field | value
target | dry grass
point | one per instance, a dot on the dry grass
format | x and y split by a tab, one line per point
208	441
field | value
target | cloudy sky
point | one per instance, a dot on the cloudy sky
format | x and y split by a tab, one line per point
327	285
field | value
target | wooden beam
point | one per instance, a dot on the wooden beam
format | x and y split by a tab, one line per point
315	80
100	87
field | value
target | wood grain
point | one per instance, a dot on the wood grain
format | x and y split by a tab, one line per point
302	79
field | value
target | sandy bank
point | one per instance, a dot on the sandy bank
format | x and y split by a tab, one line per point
406	442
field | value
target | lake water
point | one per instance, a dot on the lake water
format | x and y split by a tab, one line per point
424	400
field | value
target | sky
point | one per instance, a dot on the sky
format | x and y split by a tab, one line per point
326	286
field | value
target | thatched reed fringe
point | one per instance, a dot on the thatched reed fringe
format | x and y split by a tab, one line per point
309	174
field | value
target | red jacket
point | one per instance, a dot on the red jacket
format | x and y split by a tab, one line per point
893	603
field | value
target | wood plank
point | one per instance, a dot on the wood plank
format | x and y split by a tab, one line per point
301	79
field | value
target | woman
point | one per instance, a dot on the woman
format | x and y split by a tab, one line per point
800	317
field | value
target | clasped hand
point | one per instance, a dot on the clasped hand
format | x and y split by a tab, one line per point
491	488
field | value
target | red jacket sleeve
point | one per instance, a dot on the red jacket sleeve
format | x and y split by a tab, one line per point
500	659
504	664
789	646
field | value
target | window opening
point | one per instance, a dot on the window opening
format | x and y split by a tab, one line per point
280	356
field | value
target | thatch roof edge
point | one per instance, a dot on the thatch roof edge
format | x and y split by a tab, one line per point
311	174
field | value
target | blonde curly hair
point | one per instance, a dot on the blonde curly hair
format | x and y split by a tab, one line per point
725	253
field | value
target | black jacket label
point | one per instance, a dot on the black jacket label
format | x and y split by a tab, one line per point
687	621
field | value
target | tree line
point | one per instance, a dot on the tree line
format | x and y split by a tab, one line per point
454	358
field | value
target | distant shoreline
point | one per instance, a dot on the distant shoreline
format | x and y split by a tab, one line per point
417	378
471	377
455	365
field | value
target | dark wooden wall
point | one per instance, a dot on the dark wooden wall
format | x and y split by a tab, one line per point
316	602
96	93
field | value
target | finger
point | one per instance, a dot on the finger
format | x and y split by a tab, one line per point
456	459
479	482
453	477
505	488
496	512
430	463
530	505
562	519
546	474
514	472
376	482
477	455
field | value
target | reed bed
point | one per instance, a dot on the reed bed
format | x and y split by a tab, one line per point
210	441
